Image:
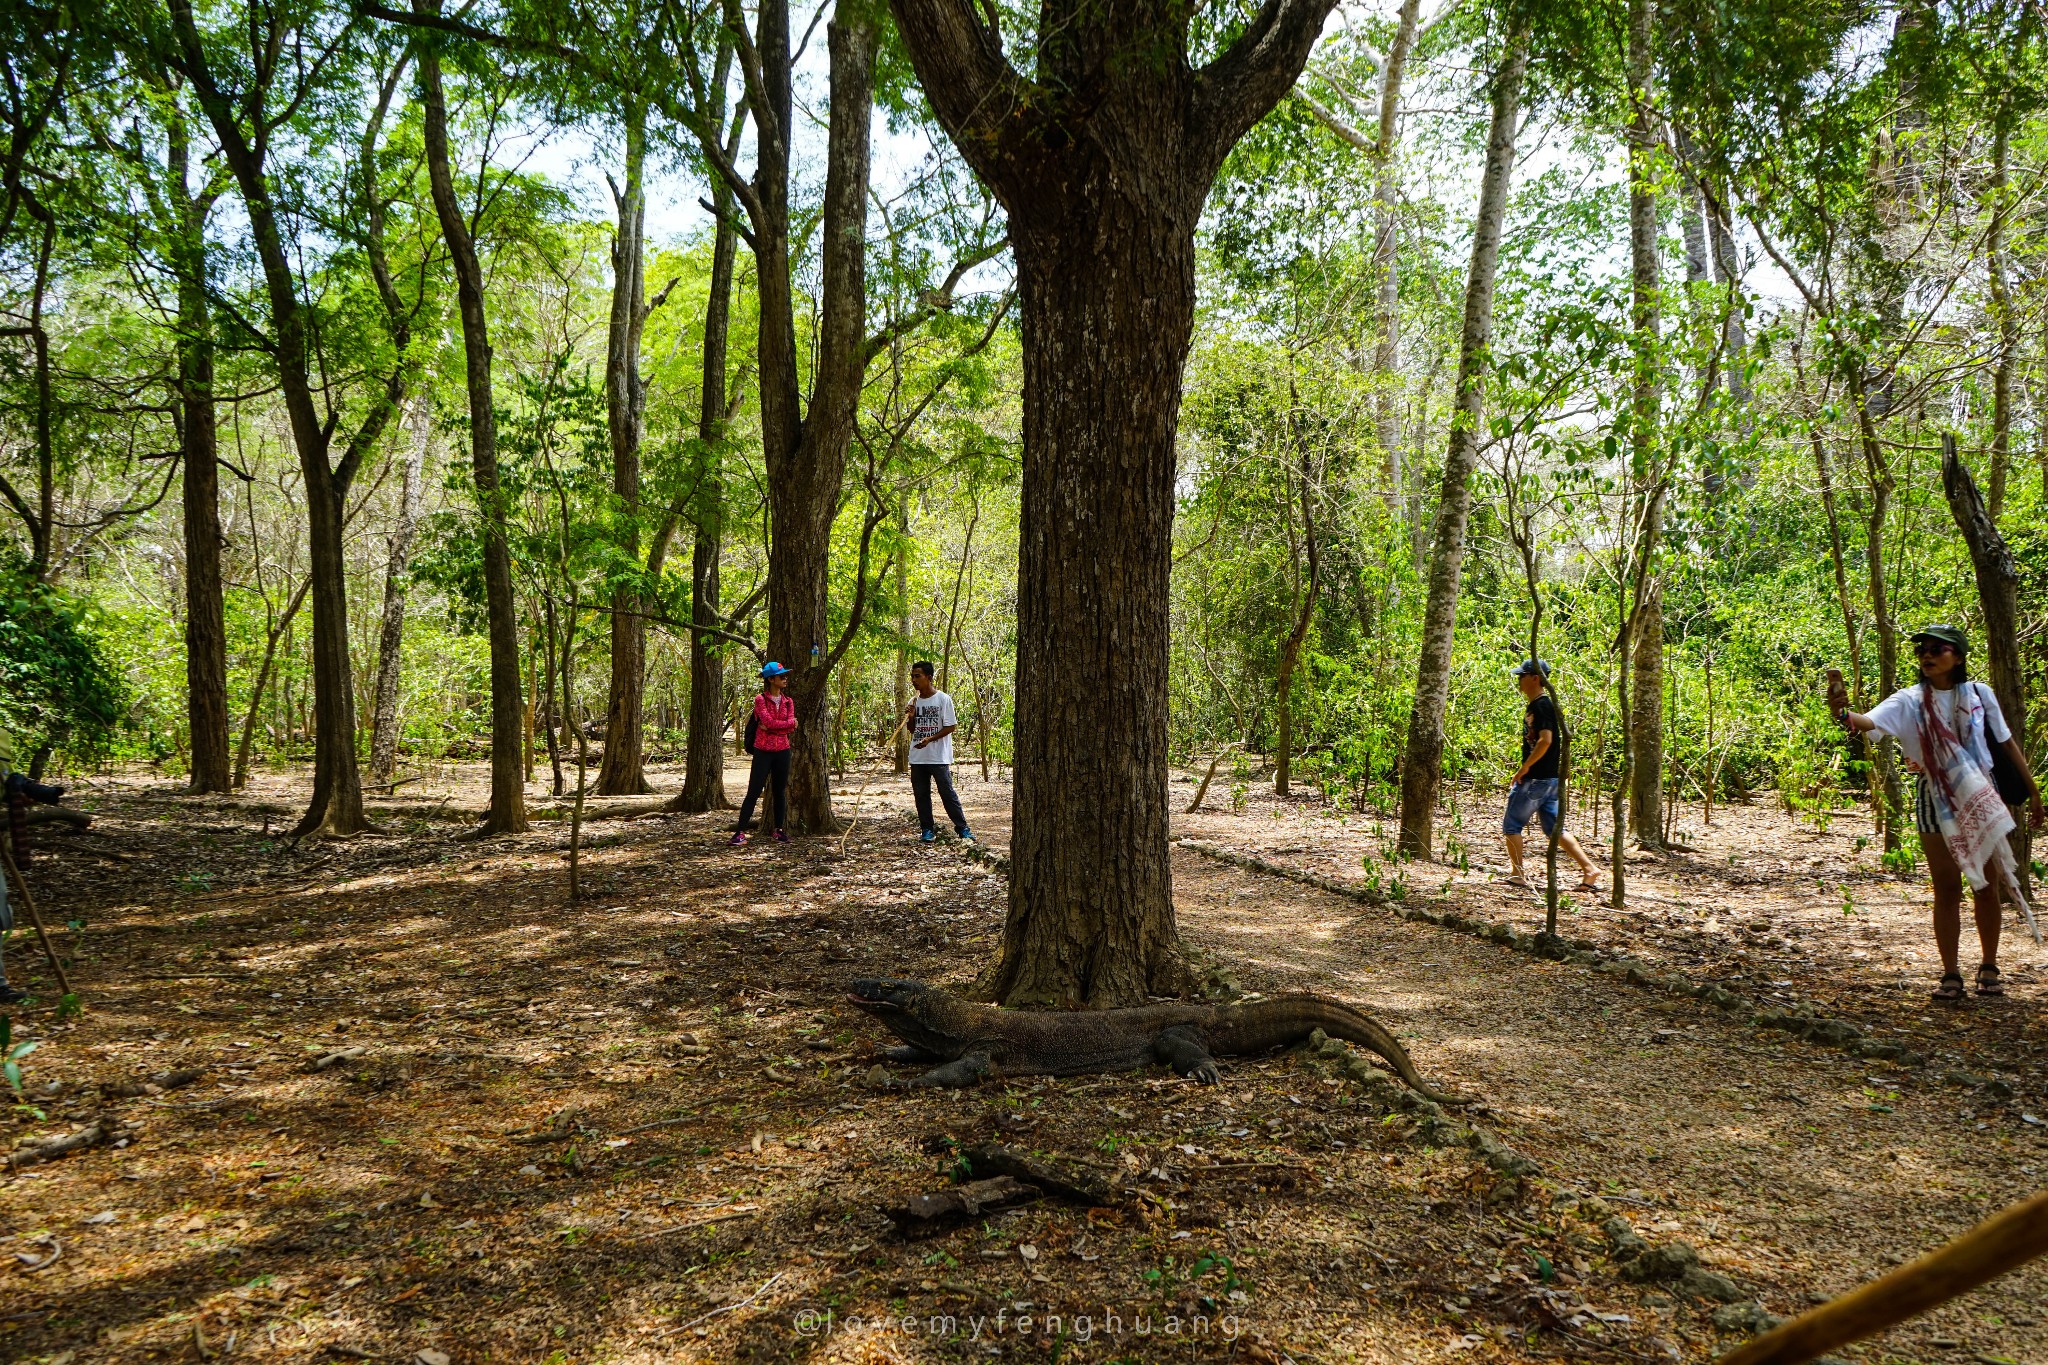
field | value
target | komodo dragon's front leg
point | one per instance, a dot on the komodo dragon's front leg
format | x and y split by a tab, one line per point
908	1052
965	1072
1182	1049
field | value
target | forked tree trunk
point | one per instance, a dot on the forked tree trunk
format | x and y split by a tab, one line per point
1103	166
391	631
1422	763
619	773
206	640
507	813
336	807
804	451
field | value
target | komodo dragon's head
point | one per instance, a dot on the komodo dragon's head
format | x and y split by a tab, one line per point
913	1011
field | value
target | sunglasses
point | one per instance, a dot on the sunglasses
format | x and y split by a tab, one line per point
1929	647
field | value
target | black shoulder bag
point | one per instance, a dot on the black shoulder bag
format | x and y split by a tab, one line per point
2015	786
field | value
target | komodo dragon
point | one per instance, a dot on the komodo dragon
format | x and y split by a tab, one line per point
973	1041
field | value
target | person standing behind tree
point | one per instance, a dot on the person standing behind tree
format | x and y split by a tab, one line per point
1534	787
932	720
773	722
1947	726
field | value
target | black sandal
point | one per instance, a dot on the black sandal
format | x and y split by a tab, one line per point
1951	988
1987	980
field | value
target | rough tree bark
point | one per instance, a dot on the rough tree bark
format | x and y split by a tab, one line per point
1998	588
1643	756
1422	761
206	636
336	807
1102	163
391	631
619	773
507	811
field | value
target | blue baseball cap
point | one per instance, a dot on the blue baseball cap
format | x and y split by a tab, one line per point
1530	667
773	670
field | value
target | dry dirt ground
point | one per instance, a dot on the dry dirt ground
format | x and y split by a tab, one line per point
710	1162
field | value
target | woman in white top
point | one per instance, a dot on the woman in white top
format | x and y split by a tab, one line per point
1946	726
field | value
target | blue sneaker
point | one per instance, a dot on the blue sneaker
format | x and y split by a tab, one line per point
930	836
966	836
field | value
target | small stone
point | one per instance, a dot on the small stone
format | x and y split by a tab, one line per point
1708	1284
876	1078
1962	1079
428	1356
1670	1261
1748	1316
1998	1089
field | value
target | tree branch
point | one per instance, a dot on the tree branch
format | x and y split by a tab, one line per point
1235	91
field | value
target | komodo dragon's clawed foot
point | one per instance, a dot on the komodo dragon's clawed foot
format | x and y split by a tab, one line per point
907	1053
969	1070
1183	1050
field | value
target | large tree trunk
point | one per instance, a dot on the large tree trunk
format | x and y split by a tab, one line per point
620	774
704	763
1091	910
206	638
1103	166
1422	763
391	631
507	813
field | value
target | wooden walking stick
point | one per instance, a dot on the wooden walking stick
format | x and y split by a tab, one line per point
2000	1243
42	935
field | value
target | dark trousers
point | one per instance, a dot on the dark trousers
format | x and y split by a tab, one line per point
921	778
767	765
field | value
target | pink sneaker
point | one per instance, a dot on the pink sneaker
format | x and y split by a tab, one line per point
781	836
739	838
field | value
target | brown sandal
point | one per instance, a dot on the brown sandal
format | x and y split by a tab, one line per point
1987	980
1951	988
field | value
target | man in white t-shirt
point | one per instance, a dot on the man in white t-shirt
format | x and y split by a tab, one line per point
932	722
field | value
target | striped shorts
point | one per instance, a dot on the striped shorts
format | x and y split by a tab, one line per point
1925	818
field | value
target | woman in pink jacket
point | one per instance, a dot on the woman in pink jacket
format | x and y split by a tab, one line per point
774	722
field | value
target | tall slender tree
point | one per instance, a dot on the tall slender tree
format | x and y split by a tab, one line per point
1422	760
507	812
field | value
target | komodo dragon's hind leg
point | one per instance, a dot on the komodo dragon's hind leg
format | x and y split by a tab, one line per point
908	1053
967	1071
1184	1051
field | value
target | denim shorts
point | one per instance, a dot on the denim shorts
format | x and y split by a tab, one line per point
1531	796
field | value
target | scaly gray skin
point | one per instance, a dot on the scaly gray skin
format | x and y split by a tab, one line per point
972	1041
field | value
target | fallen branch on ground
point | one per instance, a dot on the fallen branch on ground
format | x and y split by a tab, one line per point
1996	1245
98	1133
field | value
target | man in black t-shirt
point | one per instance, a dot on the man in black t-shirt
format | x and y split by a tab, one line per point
1533	791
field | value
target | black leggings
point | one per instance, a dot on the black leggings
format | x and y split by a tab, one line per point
767	764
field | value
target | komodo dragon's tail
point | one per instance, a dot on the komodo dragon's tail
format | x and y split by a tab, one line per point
1287	1019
